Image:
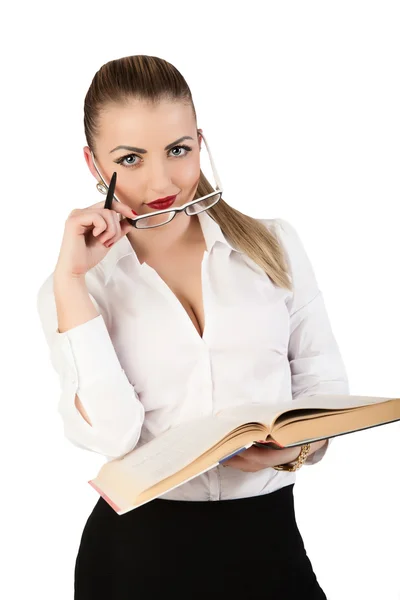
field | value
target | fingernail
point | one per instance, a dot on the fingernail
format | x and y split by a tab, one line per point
135	213
109	245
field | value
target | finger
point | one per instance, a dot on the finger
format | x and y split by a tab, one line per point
125	226
109	231
118	207
112	227
83	221
117	234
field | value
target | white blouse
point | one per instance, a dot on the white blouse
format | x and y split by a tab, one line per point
141	367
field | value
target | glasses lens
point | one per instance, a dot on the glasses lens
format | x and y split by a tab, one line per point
195	209
154	221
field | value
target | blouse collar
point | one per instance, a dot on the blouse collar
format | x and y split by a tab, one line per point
212	235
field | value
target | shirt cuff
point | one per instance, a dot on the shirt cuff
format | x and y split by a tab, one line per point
318	454
89	367
88	351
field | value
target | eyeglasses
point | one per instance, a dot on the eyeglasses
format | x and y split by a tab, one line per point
162	217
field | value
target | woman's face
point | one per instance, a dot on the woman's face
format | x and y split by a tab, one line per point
147	171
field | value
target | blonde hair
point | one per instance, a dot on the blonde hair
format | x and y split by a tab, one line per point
153	79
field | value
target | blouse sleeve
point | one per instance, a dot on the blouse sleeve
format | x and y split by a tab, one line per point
315	361
87	365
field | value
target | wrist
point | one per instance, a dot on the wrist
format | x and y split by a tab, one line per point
62	278
298	462
292	456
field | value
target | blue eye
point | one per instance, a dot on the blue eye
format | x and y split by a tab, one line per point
131	165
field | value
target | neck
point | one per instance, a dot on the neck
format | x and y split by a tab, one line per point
158	241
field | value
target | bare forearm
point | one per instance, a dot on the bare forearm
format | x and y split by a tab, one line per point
73	303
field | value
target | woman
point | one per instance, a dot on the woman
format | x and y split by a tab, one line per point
153	318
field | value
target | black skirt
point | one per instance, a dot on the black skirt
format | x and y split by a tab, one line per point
230	549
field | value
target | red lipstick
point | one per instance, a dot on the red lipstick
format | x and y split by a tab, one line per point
163	203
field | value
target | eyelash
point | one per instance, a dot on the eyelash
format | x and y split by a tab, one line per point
122	158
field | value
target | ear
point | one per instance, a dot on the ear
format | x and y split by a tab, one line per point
88	158
199	137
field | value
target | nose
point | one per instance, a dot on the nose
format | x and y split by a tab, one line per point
159	177
159	180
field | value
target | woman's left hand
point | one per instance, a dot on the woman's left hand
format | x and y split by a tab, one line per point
254	458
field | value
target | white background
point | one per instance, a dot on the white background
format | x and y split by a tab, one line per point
300	104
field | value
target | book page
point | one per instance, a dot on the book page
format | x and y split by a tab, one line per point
171	451
336	401
268	413
336	423
179	446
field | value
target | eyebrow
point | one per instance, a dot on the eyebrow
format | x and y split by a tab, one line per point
143	151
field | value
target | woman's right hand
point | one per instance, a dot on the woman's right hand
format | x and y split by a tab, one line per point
86	233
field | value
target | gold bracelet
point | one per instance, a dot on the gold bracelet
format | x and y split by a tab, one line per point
299	461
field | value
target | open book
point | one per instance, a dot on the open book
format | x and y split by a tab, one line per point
194	447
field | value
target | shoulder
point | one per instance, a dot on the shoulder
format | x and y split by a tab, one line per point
300	265
283	227
285	232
